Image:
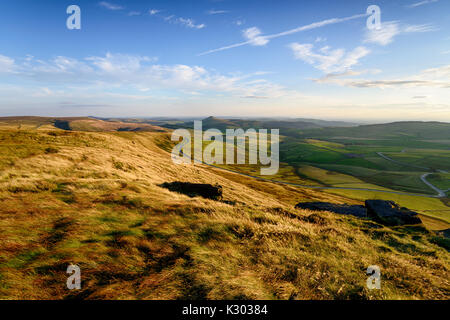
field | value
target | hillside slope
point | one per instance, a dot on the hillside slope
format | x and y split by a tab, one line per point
95	199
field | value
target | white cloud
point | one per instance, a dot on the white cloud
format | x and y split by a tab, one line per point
134	13
118	63
136	73
384	35
6	64
152	12
329	61
267	38
253	36
421	3
390	29
189	23
110	6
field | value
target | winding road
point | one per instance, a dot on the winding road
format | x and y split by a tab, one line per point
440	193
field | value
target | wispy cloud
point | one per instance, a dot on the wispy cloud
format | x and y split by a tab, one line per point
134	13
421	3
76	105
111	6
328	61
390	29
187	22
190	23
434	78
152	12
212	11
264	39
7	64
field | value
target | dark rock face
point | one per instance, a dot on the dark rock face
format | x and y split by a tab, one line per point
381	211
444	233
354	210
390	214
207	191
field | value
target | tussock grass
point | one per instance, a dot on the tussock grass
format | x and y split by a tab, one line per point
97	203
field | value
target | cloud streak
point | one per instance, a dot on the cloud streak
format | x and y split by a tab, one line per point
264	39
432	78
213	12
390	29
110	6
421	3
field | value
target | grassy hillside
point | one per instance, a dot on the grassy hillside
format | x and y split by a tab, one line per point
95	199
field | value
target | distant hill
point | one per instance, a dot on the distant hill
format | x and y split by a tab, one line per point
285	125
76	124
402	130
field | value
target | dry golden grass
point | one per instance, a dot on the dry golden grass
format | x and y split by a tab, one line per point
93	199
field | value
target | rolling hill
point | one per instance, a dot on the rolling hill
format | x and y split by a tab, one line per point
76	123
97	200
417	130
265	123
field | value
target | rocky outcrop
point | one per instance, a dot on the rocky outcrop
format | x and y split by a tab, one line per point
444	233
354	210
390	214
207	191
384	212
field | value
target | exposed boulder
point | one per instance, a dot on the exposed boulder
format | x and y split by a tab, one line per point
390	214
207	191
354	210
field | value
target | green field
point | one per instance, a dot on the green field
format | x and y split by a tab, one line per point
390	158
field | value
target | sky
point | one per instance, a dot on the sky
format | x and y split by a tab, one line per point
252	58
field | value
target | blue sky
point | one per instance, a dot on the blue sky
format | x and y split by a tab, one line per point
227	58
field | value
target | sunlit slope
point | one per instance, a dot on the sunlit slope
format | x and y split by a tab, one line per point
74	124
94	199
